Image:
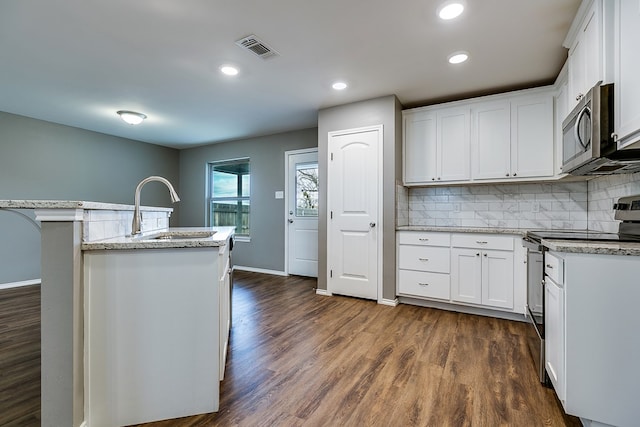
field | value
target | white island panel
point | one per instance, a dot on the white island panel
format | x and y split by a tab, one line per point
152	334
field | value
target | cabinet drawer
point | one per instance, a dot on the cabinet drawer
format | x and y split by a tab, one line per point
553	267
482	241
424	258
421	284
424	238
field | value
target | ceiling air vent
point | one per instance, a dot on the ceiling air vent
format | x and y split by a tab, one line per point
257	46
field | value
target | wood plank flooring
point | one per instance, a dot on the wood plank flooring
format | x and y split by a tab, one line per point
20	356
299	359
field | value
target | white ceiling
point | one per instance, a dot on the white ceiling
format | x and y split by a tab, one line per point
76	62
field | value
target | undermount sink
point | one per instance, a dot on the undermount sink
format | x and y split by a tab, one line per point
178	235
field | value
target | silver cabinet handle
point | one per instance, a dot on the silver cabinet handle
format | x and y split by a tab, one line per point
480	242
423	284
507	174
423	259
372	224
423	239
478	254
485	254
290	221
550	266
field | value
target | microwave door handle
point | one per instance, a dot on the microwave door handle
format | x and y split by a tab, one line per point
576	133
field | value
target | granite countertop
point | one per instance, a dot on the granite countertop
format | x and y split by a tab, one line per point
488	230
586	247
147	241
74	204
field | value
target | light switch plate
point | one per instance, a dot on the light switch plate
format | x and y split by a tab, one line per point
279	194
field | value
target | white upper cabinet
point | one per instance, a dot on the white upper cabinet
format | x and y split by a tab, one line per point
590	48
532	149
500	137
513	138
627	72
419	147
453	144
491	140
436	145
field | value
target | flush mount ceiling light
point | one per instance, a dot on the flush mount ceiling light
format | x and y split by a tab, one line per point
339	85
458	57
131	117
229	70
450	10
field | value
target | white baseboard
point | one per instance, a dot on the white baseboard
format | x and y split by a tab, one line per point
323	292
259	270
19	284
389	302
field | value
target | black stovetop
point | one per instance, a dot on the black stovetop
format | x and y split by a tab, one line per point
586	235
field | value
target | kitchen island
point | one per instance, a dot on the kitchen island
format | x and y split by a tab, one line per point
73	230
156	324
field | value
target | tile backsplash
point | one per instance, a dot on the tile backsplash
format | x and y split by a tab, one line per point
559	205
603	193
538	205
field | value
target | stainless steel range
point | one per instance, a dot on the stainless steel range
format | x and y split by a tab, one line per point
627	210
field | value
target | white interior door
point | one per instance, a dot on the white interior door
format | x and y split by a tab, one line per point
354	212
302	212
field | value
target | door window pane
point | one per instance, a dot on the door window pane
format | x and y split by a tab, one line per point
307	190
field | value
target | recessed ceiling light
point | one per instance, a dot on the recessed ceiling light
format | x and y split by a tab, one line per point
450	10
131	117
339	86
229	70
458	57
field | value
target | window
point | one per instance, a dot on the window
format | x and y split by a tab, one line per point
229	195
307	189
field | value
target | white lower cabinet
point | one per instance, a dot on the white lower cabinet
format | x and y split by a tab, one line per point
591	335
462	268
482	277
554	335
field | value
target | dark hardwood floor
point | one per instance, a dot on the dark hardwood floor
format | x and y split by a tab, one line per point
20	356
299	359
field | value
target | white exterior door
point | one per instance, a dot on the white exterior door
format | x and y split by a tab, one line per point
354	212
302	212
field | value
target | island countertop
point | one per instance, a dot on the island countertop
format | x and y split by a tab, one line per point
74	204
150	241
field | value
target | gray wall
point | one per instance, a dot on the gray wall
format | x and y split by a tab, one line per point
386	111
266	248
43	160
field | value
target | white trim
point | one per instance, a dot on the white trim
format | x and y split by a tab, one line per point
259	270
84	424
380	129
11	285
323	292
286	199
480	311
390	302
59	215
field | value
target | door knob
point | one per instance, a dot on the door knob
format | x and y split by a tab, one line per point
290	221
372	224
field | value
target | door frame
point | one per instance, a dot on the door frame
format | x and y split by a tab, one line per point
380	221
287	191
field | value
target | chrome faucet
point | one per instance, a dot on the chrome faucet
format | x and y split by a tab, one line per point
137	216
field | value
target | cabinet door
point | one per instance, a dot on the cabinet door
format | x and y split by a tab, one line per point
491	140
466	276
532	150
584	56
627	84
453	144
497	279
419	147
534	285
554	335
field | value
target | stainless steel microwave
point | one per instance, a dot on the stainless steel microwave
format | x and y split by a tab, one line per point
588	145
